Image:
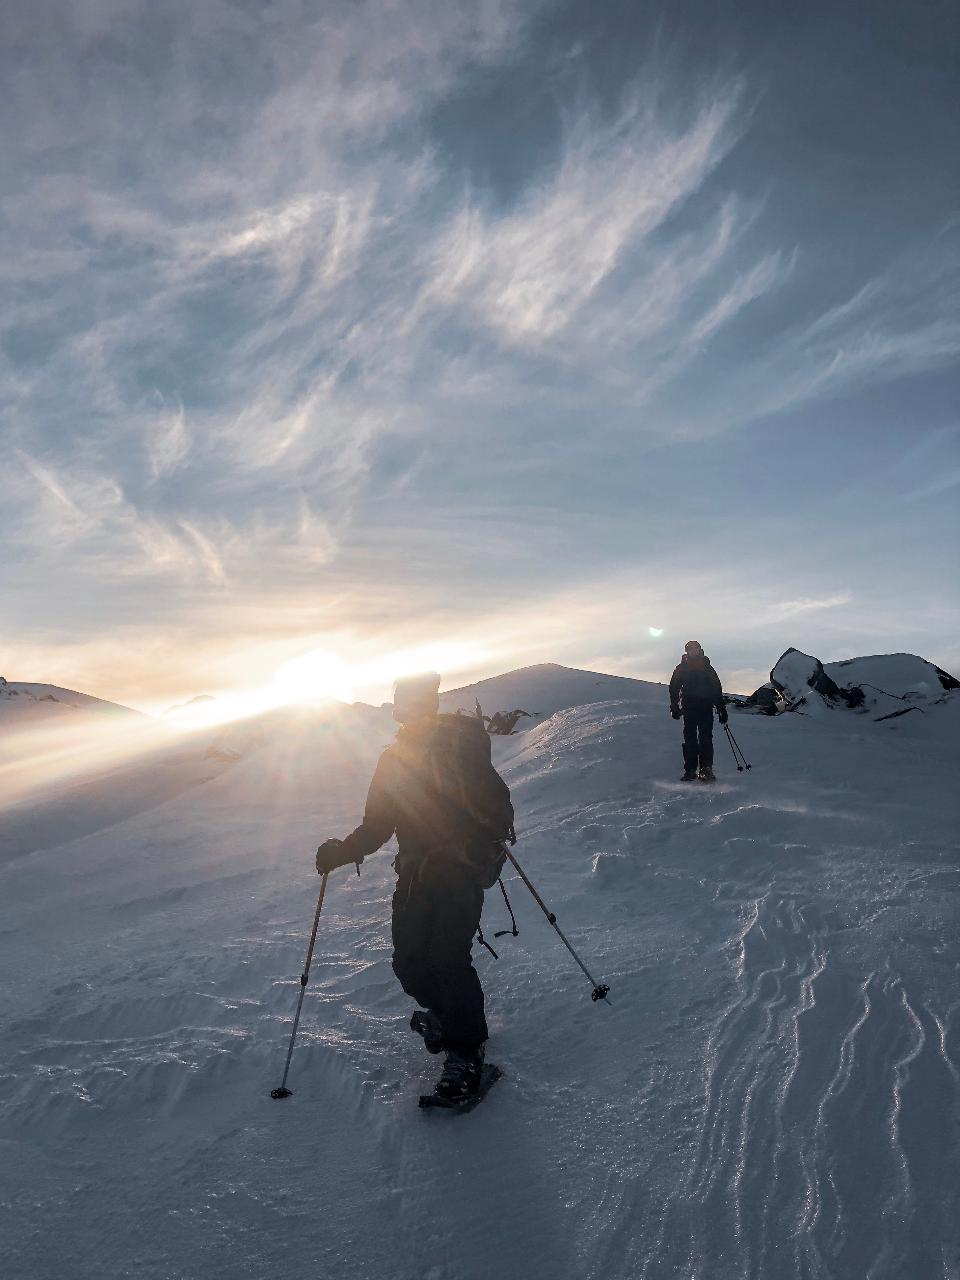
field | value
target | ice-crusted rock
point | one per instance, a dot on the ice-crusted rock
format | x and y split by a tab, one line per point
901	675
766	699
796	673
889	684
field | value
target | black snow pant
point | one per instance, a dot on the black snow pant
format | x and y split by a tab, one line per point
698	737
436	912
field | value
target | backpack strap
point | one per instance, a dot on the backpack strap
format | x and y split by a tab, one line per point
513	919
484	943
501	933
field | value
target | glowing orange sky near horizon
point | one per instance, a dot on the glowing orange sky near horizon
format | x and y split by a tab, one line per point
264	674
323	673
237	650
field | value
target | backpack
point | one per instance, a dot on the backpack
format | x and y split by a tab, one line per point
475	797
699	681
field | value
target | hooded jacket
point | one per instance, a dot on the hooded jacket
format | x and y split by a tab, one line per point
694	685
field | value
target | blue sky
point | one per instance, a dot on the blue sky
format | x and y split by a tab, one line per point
534	330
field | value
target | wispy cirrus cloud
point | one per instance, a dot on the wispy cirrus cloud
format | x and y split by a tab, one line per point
527	273
50	487
202	304
940	484
88	516
273	344
768	273
265	339
899	324
168	445
808	604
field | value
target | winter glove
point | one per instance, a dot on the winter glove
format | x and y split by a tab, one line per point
675	712
722	714
333	854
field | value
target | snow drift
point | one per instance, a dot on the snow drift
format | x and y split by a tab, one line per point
774	1091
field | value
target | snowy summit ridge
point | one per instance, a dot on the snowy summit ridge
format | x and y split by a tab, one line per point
772	1092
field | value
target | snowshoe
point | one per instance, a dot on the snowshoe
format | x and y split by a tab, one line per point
461	1087
707	774
689	776
427	1024
460	1075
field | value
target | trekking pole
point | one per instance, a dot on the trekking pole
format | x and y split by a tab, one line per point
730	740
282	1091
735	747
600	989
739	749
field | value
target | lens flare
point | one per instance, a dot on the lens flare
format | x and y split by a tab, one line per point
321	675
314	676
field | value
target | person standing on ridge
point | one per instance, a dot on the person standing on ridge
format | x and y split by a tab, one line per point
695	690
436	788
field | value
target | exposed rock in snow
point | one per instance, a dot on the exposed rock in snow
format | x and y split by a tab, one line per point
896	674
871	684
766	699
794	674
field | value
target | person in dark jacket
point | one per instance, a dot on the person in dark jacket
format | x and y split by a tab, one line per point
436	789
695	690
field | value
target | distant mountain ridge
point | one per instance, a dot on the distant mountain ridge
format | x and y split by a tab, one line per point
546	688
58	696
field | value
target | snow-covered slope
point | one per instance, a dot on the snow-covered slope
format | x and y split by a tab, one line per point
774	1090
546	688
41	704
71	765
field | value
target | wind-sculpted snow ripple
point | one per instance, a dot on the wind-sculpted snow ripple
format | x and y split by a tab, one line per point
822	1094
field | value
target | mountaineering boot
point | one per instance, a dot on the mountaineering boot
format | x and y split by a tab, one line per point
689	776
707	774
427	1024
461	1075
487	1078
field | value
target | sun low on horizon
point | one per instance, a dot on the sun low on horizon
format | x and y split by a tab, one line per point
323	675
